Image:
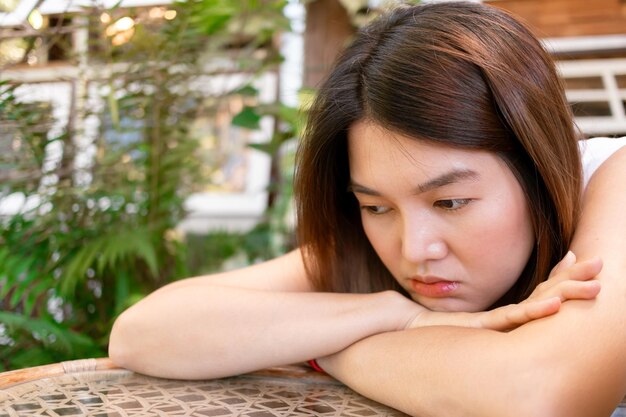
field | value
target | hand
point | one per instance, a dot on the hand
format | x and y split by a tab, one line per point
503	318
568	280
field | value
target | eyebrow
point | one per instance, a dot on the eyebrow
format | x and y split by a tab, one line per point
447	178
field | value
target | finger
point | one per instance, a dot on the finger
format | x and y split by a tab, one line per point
578	290
541	308
585	270
568	260
581	271
514	315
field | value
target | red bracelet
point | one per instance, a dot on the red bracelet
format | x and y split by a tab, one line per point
316	366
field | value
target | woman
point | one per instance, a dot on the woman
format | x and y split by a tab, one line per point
439	176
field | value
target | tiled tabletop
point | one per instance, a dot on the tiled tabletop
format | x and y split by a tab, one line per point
104	391
292	391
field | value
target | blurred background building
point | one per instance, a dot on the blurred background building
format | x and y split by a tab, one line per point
588	39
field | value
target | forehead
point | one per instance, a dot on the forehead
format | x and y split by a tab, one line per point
371	141
364	131
377	154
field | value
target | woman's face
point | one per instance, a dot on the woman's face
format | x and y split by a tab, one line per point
451	225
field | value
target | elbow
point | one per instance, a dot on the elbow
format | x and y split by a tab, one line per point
122	349
136	344
117	352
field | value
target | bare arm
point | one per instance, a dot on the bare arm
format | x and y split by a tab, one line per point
570	364
267	315
235	322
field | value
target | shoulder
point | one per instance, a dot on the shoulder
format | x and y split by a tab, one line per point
595	151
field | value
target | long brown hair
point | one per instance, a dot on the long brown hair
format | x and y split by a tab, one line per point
461	74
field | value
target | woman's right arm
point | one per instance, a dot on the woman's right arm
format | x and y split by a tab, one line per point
256	317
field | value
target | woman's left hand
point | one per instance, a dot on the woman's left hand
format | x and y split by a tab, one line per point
569	280
501	319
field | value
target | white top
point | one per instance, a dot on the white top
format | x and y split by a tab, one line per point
597	150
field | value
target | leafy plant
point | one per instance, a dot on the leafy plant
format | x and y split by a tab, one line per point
93	238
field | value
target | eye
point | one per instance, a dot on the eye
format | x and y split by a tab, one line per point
375	210
452	204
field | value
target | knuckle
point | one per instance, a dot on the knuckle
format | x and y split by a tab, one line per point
512	316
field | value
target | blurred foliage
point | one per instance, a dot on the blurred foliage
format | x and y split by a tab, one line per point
93	238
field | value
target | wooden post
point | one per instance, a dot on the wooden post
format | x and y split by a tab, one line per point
558	18
328	29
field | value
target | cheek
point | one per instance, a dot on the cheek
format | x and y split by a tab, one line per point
509	230
504	246
382	237
374	235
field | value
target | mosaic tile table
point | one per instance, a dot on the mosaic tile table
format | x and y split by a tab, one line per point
96	388
104	391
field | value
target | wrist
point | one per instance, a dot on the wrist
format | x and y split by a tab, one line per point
401	312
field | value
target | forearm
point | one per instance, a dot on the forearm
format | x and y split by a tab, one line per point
220	331
542	369
439	371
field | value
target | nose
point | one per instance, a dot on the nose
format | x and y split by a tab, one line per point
423	241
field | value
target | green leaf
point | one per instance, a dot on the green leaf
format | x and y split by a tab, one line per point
122	292
247	90
48	334
274	145
37	292
34	356
294	117
247	118
77	268
211	16
268	147
109	252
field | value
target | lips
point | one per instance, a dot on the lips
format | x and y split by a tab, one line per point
433	287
